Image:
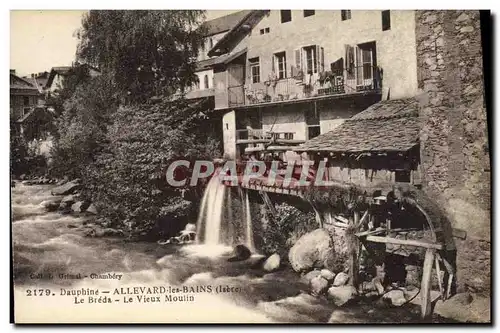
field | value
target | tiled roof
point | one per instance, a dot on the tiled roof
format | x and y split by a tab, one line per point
224	23
385	126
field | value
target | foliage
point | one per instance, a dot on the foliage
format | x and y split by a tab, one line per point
127	179
82	126
147	52
77	75
284	230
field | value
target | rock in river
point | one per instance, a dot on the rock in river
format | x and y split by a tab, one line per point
240	252
67	188
272	263
310	251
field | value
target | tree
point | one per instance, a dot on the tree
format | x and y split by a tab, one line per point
149	53
127	180
82	126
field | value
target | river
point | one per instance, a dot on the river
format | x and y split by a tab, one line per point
50	243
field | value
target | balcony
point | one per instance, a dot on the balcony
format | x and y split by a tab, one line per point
256	136
360	79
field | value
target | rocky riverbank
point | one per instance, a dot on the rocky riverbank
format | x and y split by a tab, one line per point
308	286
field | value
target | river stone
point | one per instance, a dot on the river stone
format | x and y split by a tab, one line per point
395	296
310	275
340	279
92	209
240	252
67	188
51	205
341	295
272	263
190	227
310	251
318	286
77	207
327	275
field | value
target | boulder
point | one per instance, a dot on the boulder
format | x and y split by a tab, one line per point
378	284
68	188
62	181
310	251
311	275
465	307
272	263
92	209
190	227
77	207
327	275
240	252
51	205
340	279
395	297
318	286
342	295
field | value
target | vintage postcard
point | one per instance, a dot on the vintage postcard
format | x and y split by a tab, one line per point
250	166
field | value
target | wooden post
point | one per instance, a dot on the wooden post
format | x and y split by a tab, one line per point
425	289
353	248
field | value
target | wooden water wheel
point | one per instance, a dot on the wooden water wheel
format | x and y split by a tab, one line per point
404	221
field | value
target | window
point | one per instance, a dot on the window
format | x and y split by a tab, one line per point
312	123
255	69
264	31
261	31
205	82
386	20
309	60
309	13
279	63
286	16
26	100
345	14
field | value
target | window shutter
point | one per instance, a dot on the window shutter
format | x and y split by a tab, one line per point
273	59
320	54
298	59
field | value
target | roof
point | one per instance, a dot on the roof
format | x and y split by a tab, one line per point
241	28
33	112
223	59
386	126
224	23
19	84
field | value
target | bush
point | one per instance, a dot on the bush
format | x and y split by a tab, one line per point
127	180
282	232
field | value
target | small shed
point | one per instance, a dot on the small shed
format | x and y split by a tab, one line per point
380	144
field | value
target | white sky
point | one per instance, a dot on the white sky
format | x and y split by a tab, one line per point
40	40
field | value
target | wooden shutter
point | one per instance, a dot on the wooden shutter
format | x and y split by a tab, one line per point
298	59
273	66
320	58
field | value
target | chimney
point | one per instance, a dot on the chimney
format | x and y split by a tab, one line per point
13	71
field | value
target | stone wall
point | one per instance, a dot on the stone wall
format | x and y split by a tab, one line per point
454	140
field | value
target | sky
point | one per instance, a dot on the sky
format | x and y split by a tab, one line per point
40	40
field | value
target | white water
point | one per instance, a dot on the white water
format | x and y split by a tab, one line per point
53	243
216	225
248	223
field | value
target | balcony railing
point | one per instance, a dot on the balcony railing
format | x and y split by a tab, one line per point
259	134
353	80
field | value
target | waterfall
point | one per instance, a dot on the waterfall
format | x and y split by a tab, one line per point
216	224
210	216
248	223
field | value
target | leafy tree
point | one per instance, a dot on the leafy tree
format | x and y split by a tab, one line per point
148	52
82	126
127	180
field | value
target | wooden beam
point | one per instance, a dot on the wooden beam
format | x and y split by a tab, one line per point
425	286
390	240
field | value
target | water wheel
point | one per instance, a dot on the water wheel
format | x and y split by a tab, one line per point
407	222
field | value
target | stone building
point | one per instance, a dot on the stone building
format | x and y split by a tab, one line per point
454	139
